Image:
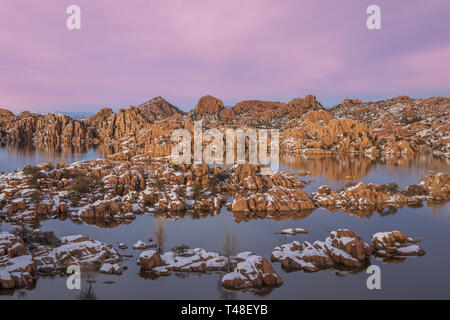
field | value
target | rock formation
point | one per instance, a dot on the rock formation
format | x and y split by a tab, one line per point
251	271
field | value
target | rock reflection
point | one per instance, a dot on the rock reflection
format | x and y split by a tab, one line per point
337	167
342	167
275	216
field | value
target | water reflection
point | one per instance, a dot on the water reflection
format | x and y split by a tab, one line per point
344	167
257	233
12	158
337	167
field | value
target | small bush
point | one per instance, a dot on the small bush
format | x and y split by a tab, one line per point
66	174
180	250
74	198
29	237
221	176
82	184
213	188
392	187
160	184
61	165
34	173
36	196
197	191
49	166
181	191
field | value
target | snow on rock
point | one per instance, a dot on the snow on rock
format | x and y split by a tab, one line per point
111	268
342	247
17	268
191	260
293	231
141	245
396	243
251	271
346	248
298	256
150	259
122	245
74	250
276	199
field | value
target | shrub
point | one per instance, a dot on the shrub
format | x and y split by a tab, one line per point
160	184
61	165
36	196
181	191
197	191
393	187
221	176
213	187
34	173
180	250
29	237
49	166
74	198
82	184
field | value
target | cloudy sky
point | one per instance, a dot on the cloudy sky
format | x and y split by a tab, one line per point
130	51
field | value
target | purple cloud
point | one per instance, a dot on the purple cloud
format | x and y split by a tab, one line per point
130	51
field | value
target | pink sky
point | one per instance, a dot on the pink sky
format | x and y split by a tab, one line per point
130	51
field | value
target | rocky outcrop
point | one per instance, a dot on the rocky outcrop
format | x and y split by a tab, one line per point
251	271
421	125
109	268
344	249
208	106
150	259
395	244
53	131
158	109
17	268
437	185
293	231
362	195
19	265
190	260
276	199
300	106
257	112
76	250
318	132
396	127
141	245
112	192
341	248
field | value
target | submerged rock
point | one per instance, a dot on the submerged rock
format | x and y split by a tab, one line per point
109	268
293	231
140	245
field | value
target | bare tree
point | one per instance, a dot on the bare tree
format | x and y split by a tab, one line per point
229	247
88	274
159	233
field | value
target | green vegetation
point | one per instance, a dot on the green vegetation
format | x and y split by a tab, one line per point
34	173
36	196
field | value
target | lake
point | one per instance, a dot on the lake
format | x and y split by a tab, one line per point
423	277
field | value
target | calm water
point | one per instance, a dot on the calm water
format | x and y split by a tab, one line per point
12	158
422	277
